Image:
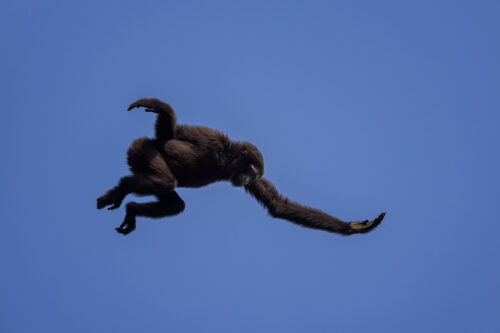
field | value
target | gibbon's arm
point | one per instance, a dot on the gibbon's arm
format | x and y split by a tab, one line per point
166	121
280	207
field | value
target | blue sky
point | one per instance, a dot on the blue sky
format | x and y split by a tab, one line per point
358	107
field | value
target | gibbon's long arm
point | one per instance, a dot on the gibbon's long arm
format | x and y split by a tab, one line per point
281	207
166	121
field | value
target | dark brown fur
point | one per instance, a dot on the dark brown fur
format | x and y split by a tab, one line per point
194	156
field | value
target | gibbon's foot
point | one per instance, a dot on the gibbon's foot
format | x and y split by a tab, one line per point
365	226
109	199
127	226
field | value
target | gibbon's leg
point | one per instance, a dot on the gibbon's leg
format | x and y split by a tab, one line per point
138	184
166	121
151	176
168	205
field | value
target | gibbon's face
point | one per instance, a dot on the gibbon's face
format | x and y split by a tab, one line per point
250	166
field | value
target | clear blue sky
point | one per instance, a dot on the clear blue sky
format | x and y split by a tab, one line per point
358	107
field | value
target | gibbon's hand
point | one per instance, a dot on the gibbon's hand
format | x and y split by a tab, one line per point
151	105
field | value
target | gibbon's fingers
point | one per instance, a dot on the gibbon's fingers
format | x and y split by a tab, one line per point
365	226
137	104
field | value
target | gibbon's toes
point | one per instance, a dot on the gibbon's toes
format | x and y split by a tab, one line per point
124	231
103	202
127	226
100	205
115	206
109	199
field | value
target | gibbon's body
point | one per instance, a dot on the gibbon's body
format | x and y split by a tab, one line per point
195	156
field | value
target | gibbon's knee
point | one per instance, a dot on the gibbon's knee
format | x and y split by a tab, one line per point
140	154
178	206
174	201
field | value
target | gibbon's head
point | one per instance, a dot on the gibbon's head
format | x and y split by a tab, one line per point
249	165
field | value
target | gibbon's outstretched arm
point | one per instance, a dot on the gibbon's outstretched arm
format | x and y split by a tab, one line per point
281	207
166	121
